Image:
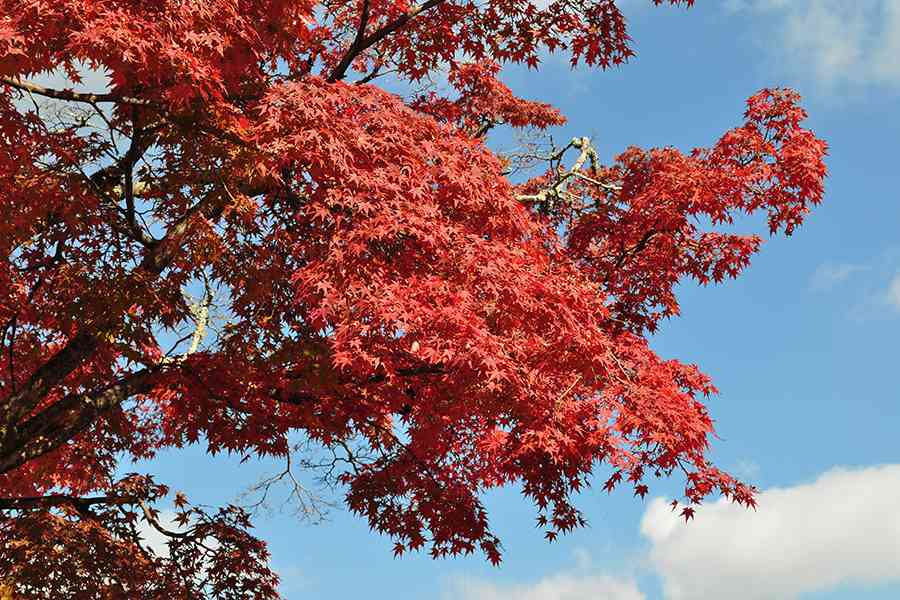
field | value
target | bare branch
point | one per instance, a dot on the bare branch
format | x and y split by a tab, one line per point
306	503
558	190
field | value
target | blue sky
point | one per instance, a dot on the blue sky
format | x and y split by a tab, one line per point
802	347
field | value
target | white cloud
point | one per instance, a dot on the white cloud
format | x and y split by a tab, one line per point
841	529
561	586
827	276
835	42
746	468
882	302
893	293
153	539
844	528
581	581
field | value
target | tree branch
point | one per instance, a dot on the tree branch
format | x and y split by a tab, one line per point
93	98
559	188
366	42
85	343
54	500
71	96
354	48
66	418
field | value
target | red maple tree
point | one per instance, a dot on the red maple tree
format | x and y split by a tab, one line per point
244	239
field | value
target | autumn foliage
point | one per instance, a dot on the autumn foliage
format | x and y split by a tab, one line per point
245	239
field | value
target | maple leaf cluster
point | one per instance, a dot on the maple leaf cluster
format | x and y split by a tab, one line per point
246	239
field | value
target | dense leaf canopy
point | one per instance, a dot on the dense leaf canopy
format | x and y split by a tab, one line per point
245	241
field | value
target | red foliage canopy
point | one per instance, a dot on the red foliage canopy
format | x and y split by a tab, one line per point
369	276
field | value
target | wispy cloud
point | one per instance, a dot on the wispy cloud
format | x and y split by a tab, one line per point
876	283
747	469
881	298
561	586
834	42
581	581
828	276
844	528
893	292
